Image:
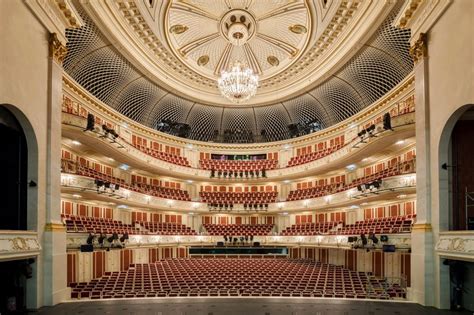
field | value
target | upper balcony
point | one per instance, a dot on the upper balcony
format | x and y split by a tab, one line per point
121	142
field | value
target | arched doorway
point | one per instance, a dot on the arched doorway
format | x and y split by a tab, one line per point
13	183
457	169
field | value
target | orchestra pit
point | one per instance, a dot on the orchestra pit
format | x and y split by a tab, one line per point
237	157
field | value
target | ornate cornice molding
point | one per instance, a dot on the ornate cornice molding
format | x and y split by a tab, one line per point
406	13
56	16
57	50
419	49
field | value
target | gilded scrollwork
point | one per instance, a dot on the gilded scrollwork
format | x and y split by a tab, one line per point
56	49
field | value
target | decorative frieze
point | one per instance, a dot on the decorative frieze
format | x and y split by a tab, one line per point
456	244
18	244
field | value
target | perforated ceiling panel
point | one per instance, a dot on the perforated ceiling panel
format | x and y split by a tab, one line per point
381	64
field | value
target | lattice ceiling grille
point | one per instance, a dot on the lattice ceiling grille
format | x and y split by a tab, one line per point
381	64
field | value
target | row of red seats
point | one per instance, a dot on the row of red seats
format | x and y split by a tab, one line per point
259	197
306	158
398	224
167	228
236	277
310	228
320	191
95	225
68	166
162	192
164	156
238	165
238	229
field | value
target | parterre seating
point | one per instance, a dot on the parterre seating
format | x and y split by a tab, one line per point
236	277
387	225
238	229
306	158
168	157
83	224
248	199
167	228
310	228
238	165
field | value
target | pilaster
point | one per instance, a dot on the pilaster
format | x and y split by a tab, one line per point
422	257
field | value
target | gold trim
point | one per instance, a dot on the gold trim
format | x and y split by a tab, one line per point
54	227
56	49
419	50
422	227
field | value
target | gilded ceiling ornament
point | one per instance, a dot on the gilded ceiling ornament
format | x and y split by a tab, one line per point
178	29
419	48
56	49
298	29
273	61
203	60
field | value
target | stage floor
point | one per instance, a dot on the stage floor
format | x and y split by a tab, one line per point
239	306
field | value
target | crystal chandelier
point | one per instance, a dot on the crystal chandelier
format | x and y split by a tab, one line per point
239	84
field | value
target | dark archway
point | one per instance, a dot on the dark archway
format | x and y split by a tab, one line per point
13	183
456	152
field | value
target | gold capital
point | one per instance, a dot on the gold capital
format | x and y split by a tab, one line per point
419	50
56	49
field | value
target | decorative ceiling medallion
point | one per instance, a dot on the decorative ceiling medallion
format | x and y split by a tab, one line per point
273	61
298	29
238	27
203	60
178	29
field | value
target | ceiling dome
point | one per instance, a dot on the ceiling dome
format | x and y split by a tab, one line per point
208	36
103	67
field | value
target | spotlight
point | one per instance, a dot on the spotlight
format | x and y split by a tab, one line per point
387	121
364	239
374	238
101	239
124	237
90	122
383	238
90	239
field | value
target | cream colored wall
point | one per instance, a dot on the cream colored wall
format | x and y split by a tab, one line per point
24	84
449	80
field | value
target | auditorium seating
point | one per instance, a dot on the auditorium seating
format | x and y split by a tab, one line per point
315	192
167	228
248	199
237	166
310	228
161	192
236	277
313	156
164	156
324	190
387	225
238	229
83	224
68	166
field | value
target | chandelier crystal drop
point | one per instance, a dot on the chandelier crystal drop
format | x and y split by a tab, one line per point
239	84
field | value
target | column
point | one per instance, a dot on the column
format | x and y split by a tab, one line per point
54	235
422	256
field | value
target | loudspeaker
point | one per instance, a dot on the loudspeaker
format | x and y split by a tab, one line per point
87	248
384	238
256	244
90	122
387	121
220	244
388	248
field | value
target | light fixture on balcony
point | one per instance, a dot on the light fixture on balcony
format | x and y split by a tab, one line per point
238	84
